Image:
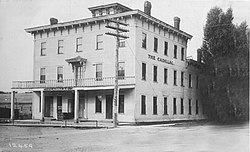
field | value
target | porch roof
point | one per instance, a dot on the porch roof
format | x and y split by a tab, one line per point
77	59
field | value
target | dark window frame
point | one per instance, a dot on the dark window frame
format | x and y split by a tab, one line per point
155	75
175	78
174	106
144	40
143	105
121	104
182	78
155	44
182	54
166	48
165	76
165	106
144	71
59	74
154	105
189	106
182	106
175	51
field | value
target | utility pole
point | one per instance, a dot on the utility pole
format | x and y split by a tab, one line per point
117	35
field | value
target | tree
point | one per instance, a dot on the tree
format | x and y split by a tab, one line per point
225	53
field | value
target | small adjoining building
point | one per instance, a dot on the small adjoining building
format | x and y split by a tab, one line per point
22	105
74	69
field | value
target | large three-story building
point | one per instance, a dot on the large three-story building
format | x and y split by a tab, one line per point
74	69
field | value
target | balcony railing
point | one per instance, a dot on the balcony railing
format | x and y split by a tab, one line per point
69	83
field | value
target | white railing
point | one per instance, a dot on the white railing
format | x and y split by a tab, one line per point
87	82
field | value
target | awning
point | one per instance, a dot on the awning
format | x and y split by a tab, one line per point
76	60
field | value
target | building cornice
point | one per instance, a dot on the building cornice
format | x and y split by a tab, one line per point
95	20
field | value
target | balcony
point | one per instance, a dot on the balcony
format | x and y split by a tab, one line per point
70	83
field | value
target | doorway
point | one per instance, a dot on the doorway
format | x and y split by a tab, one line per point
59	108
109	106
48	106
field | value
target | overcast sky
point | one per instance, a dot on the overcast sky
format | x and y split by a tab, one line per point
16	46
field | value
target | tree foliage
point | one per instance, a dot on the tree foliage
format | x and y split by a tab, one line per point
225	54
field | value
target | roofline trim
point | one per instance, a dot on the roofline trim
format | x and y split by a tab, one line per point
100	18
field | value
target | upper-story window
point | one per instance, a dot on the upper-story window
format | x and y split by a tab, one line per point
60	47
155	74
175	77
190	81
97	13
121	70
144	70
144	40
43	48
42	75
99	42
59	74
122	44
79	44
175	51
165	76
155	44
104	12
111	11
99	72
182	79
165	48
182	54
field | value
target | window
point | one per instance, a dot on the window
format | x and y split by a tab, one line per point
182	54
155	73
197	82
111	11
190	81
166	48
143	105
144	40
97	13
42	75
155	105
60	47
197	107
174	106
104	12
189	107
155	44
165	105
175	77
143	71
182	106
175	51
122	44
165	76
121	70
121	104
99	42
79	44
98	72
182	79
98	104
59	74
43	48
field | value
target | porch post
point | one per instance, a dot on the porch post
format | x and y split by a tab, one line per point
76	115
42	106
12	110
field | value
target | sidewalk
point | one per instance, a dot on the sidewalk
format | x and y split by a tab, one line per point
63	123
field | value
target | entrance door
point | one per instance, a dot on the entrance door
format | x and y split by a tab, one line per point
59	108
109	106
48	106
78	75
82	106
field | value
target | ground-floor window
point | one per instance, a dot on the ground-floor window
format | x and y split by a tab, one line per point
165	105
121	104
174	106
98	104
143	105
197	107
189	106
155	105
182	106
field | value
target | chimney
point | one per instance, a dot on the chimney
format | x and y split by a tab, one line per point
147	8
53	21
177	22
199	55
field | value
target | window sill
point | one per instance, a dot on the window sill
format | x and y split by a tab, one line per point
98	112
78	51
99	49
59	53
